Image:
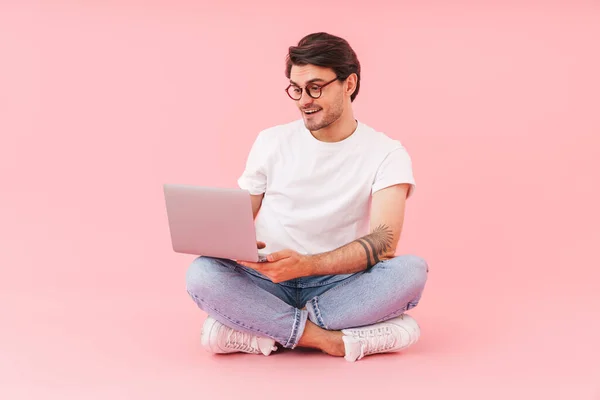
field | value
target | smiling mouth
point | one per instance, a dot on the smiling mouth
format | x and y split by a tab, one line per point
308	113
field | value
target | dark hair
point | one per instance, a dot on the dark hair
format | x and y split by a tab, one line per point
325	50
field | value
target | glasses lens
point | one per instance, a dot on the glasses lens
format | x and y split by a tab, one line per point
294	92
314	91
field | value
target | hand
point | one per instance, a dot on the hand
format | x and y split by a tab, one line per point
283	265
260	245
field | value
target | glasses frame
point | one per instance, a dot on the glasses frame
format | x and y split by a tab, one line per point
305	89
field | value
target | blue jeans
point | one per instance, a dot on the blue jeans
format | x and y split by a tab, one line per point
246	300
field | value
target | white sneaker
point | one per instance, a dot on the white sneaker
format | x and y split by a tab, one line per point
388	336
220	339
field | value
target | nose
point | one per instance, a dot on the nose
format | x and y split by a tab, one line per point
305	100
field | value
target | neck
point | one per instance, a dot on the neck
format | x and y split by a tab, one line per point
339	130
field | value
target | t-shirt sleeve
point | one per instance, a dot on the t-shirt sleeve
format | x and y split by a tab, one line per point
396	168
254	177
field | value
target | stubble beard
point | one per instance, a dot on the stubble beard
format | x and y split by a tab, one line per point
333	115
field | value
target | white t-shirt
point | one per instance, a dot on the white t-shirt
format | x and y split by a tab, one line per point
317	194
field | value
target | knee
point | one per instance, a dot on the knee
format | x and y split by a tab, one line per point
416	262
201	276
411	268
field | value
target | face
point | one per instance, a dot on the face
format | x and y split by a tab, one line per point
327	109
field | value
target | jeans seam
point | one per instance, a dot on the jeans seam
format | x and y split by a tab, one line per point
346	282
315	306
410	305
297	298
294	329
294	337
330	281
393	314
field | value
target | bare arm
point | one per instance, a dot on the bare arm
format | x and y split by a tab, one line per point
256	203
387	218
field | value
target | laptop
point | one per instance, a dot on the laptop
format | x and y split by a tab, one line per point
213	222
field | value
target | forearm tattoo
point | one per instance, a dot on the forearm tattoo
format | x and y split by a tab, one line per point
376	243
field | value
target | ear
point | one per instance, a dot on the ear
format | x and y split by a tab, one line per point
350	85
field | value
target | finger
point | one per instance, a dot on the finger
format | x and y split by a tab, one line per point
261	245
279	255
249	264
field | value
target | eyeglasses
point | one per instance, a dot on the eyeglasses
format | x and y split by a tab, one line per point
312	89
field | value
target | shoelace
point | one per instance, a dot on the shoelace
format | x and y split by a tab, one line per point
241	341
376	340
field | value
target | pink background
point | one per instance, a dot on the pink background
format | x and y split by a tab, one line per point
103	102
